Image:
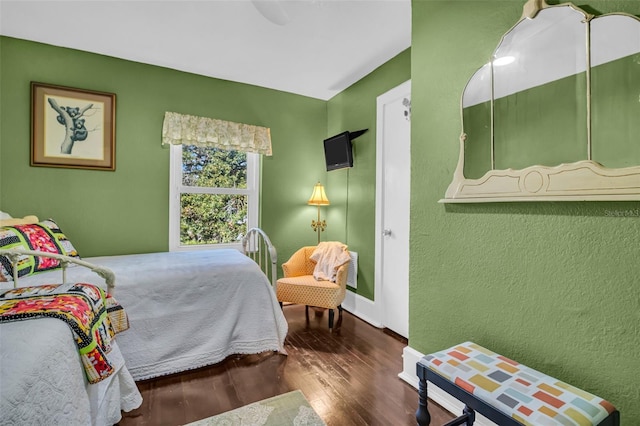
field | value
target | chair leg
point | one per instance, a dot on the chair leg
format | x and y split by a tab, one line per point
306	312
331	314
331	317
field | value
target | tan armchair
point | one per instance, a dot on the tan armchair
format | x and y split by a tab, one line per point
300	287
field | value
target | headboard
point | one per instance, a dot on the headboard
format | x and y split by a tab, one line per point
15	255
257	245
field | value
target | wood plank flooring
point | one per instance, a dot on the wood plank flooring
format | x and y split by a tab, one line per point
350	377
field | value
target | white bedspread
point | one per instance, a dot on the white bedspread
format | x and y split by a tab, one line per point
42	381
187	309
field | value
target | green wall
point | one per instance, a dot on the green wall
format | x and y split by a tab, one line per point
352	191
126	211
553	285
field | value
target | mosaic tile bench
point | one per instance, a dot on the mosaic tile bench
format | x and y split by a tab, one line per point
506	392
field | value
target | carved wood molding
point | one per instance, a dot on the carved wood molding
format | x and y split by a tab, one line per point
580	181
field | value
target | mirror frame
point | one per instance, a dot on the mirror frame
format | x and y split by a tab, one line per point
584	180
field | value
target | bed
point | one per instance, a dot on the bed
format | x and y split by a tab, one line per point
186	310
43	379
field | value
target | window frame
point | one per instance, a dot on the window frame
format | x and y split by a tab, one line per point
176	188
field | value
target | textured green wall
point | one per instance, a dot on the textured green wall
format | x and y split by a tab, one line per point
126	211
351	215
553	285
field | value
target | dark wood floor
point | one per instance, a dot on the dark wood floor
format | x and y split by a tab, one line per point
350	377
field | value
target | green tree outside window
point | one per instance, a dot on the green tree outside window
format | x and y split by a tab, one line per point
207	218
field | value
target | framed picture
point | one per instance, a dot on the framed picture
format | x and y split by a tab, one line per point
72	128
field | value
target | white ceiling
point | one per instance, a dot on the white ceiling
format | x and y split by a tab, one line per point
315	48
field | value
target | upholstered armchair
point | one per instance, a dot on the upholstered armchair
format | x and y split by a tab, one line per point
300	287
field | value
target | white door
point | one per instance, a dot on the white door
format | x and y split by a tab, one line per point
393	179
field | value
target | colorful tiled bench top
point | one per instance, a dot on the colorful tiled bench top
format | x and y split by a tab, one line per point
526	395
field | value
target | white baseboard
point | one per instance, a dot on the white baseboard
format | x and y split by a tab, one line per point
410	358
362	307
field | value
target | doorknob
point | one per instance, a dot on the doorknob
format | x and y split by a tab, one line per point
386	232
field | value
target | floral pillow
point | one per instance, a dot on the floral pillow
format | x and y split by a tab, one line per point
44	236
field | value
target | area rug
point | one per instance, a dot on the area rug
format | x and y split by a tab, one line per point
291	408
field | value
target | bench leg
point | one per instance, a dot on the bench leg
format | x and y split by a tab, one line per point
471	415
422	415
424	418
467	418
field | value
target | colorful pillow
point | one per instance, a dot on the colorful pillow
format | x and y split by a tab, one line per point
45	236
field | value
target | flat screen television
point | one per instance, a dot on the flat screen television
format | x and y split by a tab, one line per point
338	152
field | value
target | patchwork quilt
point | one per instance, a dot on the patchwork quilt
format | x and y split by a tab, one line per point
93	316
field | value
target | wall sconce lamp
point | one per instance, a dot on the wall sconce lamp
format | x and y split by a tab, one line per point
318	198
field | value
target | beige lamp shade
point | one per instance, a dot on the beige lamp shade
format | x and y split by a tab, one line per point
318	197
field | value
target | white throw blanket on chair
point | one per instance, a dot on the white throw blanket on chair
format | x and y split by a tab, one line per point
329	256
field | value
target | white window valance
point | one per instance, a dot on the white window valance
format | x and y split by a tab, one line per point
192	130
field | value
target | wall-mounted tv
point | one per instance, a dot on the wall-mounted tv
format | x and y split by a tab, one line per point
338	151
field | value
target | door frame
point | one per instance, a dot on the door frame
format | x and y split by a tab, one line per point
383	99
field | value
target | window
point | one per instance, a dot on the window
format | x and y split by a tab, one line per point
213	197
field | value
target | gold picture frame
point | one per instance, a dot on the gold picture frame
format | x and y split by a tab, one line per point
72	128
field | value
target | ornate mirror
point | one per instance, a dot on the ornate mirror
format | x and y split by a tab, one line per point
554	115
